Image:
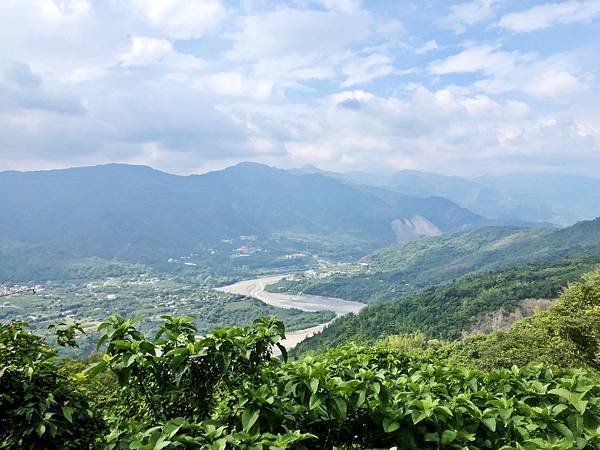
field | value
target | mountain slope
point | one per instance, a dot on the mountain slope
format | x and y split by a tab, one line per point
139	214
405	268
450	310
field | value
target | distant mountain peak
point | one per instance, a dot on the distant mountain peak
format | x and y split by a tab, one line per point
249	167
310	169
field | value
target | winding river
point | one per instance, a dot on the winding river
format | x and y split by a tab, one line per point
256	288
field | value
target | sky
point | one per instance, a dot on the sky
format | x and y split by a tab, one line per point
187	86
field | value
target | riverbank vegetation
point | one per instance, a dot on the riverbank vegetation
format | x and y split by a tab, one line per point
406	268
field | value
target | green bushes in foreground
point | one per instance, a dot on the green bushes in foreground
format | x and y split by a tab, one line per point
41	404
226	391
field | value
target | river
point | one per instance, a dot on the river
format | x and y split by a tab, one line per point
256	288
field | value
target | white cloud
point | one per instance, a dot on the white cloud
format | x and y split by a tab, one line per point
23	90
427	47
181	19
346	6
63	11
512	71
287	83
463	15
57	37
234	84
286	47
146	50
479	58
553	83
429	129
289	31
364	69
547	15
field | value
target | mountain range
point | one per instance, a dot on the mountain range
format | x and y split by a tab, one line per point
138	214
535	197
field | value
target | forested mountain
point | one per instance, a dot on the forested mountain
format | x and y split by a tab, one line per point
457	308
555	198
139	214
404	268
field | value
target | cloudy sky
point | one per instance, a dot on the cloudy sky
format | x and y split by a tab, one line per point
484	86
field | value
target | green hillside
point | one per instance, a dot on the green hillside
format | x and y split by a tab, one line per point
20	261
404	268
456	308
566	334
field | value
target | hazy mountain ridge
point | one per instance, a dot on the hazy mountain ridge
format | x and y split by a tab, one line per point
138	214
533	197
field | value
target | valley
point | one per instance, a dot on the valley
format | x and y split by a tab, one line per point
147	297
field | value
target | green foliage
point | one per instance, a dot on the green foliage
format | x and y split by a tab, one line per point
41	404
25	261
226	391
211	435
66	332
449	310
155	372
568	334
171	385
374	398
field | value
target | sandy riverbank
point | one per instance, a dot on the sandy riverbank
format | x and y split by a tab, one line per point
256	288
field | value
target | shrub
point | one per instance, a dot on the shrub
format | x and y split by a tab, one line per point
41	404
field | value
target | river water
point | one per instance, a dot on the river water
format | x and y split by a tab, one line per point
256	288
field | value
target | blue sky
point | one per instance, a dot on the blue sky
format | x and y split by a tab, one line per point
186	86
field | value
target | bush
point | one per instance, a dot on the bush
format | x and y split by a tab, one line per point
41	404
567	335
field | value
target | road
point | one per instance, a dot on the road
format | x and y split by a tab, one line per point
256	288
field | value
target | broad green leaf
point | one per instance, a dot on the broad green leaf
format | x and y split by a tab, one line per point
342	407
314	385
68	413
40	429
249	417
314	402
490	422
390	425
448	436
